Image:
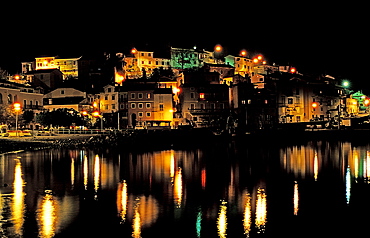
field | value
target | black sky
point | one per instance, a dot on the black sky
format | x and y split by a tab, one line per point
314	38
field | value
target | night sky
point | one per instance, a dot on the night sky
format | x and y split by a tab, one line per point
314	38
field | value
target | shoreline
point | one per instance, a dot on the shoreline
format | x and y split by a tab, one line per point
141	141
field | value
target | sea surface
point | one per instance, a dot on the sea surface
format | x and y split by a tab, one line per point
233	189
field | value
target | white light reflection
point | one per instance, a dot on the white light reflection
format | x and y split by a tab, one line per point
348	184
222	220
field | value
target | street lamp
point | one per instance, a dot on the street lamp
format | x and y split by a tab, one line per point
218	48
17	108
345	83
97	114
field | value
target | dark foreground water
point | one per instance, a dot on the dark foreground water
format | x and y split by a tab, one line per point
227	190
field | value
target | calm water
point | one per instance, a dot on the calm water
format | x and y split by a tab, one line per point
231	190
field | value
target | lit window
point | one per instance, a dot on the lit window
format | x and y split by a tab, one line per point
201	95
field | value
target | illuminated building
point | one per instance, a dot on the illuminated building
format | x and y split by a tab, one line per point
68	66
243	65
142	63
64	98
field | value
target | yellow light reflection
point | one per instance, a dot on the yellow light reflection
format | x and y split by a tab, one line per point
316	166
178	188
46	216
136	223
72	172
261	210
85	171
222	220
368	166
122	199
96	174
18	204
356	162
247	216
296	198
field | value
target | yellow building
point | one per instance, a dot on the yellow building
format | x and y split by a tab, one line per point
68	66
139	62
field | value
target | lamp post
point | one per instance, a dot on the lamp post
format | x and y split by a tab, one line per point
17	108
97	114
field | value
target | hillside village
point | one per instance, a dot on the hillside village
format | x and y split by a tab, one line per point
187	88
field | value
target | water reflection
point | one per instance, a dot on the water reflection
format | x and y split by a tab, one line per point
46	215
18	205
222	220
224	192
296	198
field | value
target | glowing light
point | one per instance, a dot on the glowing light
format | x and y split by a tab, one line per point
218	48
264	62
345	83
259	57
46	216
175	90
133	51
119	77
261	210
17	106
243	53
178	188
255	60
18	205
222	220
247	216
296	198
293	70
201	95
17	77
314	104
96	114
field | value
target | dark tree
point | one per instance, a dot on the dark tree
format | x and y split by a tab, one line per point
60	117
